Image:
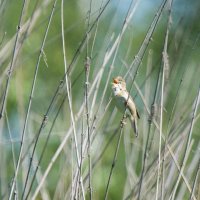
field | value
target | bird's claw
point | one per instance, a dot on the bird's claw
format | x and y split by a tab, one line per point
122	123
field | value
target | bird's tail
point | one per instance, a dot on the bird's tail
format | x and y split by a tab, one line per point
134	125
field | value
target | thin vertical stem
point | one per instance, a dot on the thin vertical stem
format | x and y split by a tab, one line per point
12	149
81	161
113	163
164	66
145	153
160	133
87	72
95	33
195	181
184	160
87	69
12	63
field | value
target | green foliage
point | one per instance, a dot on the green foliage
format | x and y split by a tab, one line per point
179	120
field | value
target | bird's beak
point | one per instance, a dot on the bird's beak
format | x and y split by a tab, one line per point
115	81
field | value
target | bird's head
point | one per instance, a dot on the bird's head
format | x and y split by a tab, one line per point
119	81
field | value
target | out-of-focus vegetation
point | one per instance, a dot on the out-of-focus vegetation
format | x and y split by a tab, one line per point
44	126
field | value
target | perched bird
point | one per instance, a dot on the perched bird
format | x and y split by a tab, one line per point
123	100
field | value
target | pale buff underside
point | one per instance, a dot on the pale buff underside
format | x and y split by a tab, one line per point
123	99
120	97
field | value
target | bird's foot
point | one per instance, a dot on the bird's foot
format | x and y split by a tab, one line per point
123	122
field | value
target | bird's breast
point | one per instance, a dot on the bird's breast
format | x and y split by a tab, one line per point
120	98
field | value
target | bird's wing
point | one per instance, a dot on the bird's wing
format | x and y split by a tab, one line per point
132	108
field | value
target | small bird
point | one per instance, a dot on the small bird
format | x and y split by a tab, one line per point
123	100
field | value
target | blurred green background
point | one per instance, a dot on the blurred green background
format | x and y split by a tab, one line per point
184	69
